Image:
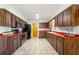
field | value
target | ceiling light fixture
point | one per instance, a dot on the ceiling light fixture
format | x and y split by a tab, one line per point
37	16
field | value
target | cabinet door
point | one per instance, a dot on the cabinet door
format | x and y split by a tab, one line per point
56	21
3	45
23	24
60	20
2	17
8	19
9	45
60	45
54	41
15	43
13	21
67	17
75	15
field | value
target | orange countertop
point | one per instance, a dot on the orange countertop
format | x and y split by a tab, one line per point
60	34
44	30
9	34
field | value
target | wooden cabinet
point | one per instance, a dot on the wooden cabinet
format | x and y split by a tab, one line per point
2	17
60	45
56	21
42	34
8	19
64	46
15	43
54	41
68	17
13	22
5	18
3	45
64	19
43	25
75	15
70	46
9	44
60	20
23	23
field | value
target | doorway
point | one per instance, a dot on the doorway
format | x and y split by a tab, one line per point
35	32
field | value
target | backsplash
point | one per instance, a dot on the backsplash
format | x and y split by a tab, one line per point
3	29
70	29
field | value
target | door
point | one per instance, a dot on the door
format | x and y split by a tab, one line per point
35	30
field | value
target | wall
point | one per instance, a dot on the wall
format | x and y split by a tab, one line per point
3	29
73	30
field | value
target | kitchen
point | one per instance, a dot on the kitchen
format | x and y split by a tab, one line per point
60	30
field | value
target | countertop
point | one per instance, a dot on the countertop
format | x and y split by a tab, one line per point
61	34
47	30
14	34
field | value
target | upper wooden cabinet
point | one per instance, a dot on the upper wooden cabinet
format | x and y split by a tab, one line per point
13	22
10	20
56	21
43	25
5	18
23	23
69	17
75	15
59	21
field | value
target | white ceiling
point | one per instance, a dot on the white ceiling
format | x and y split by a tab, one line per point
46	11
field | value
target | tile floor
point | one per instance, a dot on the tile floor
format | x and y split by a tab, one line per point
36	46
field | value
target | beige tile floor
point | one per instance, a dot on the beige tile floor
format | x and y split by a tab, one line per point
36	46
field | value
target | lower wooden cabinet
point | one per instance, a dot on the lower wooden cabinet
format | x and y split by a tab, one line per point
3	45
59	45
9	44
64	46
42	34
